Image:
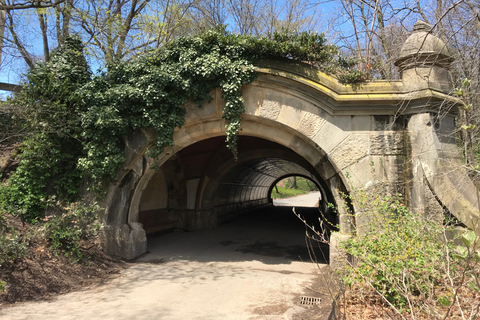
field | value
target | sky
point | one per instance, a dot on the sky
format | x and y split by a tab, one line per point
11	69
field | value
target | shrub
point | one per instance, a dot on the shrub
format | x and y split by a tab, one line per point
12	247
409	261
69	226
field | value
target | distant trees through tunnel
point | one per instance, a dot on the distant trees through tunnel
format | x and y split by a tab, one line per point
294	186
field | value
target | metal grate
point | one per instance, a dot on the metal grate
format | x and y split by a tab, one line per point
310	300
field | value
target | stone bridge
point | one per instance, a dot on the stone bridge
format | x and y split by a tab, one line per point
300	121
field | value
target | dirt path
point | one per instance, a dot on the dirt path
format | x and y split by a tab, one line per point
256	267
305	200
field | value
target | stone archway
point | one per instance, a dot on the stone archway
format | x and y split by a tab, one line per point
285	146
380	131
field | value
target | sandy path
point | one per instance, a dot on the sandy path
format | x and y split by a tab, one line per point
256	267
307	200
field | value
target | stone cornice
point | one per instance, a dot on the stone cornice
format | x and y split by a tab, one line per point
368	98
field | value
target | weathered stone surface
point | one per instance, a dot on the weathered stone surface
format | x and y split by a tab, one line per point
433	209
252	98
351	150
135	145
362	123
270	109
195	112
125	241
326	167
447	177
290	116
283	137
338	258
377	169
310	124
333	132
390	143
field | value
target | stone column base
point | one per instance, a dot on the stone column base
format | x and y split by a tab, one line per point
126	241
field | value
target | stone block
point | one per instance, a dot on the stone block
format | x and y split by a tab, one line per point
214	128
362	123
338	258
270	109
252	96
391	143
257	129
308	152
290	116
181	138
283	137
135	144
325	168
195	112
350	150
310	124
333	132
126	241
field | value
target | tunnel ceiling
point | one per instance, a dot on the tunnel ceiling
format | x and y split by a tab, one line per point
254	179
260	165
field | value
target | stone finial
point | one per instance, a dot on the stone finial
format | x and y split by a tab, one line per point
423	48
424	60
421	26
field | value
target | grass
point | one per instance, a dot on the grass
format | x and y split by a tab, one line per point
287	193
303	186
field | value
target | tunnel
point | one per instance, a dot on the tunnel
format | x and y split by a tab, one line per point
204	185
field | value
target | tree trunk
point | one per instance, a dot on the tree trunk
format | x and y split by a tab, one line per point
3	18
293	182
43	27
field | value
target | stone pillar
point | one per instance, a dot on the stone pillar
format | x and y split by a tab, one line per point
126	241
422	157
438	177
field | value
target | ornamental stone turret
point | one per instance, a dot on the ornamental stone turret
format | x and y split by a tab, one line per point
424	60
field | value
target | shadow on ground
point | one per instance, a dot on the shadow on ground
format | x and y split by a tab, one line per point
272	235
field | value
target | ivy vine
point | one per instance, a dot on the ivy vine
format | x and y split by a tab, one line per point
77	120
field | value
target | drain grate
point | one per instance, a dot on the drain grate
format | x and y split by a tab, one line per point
310	300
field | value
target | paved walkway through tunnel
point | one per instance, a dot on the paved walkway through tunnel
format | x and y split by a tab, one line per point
255	267
307	200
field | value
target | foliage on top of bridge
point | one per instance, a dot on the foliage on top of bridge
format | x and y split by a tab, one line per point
76	121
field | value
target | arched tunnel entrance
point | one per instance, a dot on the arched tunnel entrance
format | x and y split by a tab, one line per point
203	186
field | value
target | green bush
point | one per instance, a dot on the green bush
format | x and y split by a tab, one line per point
69	226
52	145
12	247
409	261
398	253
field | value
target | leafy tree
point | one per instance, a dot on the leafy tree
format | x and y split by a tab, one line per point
53	143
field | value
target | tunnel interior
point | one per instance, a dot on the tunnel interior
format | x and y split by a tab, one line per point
203	185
